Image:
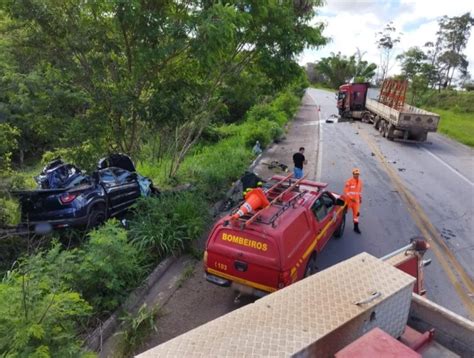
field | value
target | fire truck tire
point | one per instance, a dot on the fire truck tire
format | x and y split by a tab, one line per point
340	230
311	266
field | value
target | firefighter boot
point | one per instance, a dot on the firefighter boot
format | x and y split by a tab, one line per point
356	228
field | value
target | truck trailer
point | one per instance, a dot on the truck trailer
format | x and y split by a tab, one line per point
390	115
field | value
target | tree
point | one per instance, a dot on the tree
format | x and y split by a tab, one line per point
386	41
147	65
417	69
453	36
364	71
338	69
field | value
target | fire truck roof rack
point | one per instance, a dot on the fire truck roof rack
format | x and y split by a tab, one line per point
275	194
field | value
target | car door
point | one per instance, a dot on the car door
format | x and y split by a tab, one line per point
322	210
127	189
109	183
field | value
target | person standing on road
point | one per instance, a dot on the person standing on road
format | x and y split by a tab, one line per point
353	195
299	160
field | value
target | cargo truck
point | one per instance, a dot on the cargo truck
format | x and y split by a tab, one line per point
397	122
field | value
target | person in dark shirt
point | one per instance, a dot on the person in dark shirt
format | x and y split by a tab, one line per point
299	160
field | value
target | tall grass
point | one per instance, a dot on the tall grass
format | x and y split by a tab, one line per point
459	126
214	167
168	223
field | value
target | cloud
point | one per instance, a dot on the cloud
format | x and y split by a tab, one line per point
353	24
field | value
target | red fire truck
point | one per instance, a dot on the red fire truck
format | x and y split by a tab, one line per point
273	239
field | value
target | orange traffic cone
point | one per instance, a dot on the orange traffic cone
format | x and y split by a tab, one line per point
254	200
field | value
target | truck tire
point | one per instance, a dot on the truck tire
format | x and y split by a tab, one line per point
421	137
390	132
377	123
311	266
340	230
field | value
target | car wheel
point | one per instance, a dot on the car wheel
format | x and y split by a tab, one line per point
311	266
340	230
96	218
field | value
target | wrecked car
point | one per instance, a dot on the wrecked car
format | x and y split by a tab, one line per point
68	197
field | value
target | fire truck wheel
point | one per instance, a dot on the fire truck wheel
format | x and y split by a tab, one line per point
311	266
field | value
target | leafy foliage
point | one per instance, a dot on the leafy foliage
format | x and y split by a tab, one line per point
339	69
386	41
109	265
137	328
39	313
167	223
8	143
104	75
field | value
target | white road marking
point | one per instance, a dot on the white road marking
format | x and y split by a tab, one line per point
319	167
448	166
310	123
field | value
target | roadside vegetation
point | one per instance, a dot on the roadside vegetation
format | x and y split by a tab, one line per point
184	88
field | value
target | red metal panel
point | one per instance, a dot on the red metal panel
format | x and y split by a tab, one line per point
376	343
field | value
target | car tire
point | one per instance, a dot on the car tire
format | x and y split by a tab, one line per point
96	218
340	230
311	266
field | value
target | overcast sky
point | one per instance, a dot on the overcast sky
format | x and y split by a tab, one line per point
353	24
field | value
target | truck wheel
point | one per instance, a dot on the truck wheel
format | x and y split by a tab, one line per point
340	230
311	266
96	218
390	132
377	123
421	137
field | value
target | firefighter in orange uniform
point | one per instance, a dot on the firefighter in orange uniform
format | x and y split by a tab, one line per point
353	196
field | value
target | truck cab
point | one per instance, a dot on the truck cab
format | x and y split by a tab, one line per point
278	245
351	99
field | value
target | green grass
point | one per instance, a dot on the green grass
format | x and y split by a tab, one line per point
323	86
458	126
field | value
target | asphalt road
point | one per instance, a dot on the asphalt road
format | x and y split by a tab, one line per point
409	190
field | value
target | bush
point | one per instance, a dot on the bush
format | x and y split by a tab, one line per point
8	142
213	168
9	212
39	313
460	102
264	131
110	266
287	103
268	112
168	223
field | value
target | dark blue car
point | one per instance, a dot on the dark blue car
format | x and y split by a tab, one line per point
71	198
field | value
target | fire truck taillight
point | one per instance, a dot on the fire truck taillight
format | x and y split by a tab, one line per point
284	279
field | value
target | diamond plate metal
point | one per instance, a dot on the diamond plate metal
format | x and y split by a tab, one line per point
315	316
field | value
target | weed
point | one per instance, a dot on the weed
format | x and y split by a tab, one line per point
187	273
137	328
